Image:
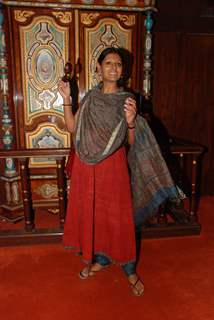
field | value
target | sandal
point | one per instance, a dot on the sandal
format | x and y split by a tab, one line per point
89	272
135	287
84	273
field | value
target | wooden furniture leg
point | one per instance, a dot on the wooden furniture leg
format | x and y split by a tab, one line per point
193	197
61	183
26	195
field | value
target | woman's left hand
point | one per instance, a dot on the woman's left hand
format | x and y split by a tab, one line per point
130	110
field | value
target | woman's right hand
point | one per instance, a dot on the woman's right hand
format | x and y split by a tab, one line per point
64	90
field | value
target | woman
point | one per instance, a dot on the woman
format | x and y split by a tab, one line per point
99	221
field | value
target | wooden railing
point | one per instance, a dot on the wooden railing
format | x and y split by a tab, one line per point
189	166
31	233
179	148
193	153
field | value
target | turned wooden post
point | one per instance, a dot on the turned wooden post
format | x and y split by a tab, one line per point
181	169
193	200
26	194
61	183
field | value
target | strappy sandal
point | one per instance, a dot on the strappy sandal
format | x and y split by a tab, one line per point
88	272
135	290
84	273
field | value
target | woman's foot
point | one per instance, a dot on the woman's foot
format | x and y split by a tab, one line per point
137	285
90	271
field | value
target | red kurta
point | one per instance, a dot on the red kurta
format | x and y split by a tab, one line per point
99	214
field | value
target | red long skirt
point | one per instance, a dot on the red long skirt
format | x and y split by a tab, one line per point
99	215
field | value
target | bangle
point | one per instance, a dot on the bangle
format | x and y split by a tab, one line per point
131	127
66	105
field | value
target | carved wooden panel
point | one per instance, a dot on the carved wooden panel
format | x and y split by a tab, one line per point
98	30
43	43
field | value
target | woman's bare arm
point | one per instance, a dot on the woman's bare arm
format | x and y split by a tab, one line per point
130	114
70	119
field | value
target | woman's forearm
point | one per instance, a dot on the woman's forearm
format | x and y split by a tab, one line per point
131	135
65	92
68	115
130	115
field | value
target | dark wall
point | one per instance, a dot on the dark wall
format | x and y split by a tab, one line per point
183	81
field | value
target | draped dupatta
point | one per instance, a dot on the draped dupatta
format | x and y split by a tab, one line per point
101	129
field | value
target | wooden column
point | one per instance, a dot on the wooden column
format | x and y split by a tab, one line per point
26	194
147	66
9	175
193	197
61	183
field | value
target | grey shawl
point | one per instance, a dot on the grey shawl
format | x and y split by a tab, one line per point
101	127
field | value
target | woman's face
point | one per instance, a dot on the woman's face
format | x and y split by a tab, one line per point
111	68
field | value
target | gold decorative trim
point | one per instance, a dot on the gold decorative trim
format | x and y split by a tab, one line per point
139	7
131	2
64	17
110	2
127	20
53	211
88	18
22	16
43	176
47	190
149	3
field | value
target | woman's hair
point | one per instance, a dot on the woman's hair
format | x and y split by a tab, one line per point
108	50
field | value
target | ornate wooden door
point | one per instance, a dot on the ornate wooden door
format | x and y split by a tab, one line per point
43	41
100	29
